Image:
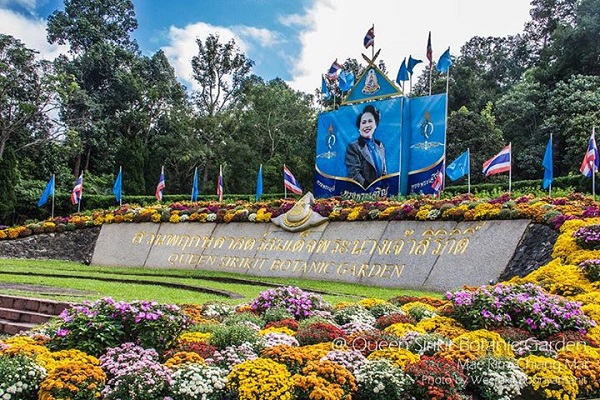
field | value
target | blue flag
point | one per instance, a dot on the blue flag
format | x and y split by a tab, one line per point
548	167
259	183
49	191
346	81
412	62
445	61
324	89
459	167
195	190
118	186
402	73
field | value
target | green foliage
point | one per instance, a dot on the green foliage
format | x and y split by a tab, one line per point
94	327
235	335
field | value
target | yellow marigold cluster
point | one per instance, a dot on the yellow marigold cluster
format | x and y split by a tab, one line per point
385	214
400	329
54	359
407	307
174	218
277	329
476	344
73	380
398	356
183	357
557	278
155	217
423	213
295	358
592	311
548	378
482	211
370	302
325	380
193	337
566	247
261	378
22	345
431	325
354	213
262	215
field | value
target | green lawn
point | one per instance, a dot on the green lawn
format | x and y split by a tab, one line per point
117	282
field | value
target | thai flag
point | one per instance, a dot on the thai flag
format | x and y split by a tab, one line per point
161	185
220	184
591	161
429	49
369	39
499	163
334	70
77	191
290	182
438	183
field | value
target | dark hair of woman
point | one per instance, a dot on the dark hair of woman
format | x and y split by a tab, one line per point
368	109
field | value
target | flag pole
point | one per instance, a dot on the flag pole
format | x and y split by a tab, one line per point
79	202
469	173
510	170
550	186
284	187
121	186
53	187
373	46
194	184
594	169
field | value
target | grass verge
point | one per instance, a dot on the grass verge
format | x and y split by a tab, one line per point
90	280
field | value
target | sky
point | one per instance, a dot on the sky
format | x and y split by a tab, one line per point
295	40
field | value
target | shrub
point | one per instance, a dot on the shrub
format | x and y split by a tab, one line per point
381	380
591	269
319	332
299	303
437	378
262	379
234	335
324	380
95	326
395	318
495	378
199	382
21	377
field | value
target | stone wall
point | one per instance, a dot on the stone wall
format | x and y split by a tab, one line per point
533	251
77	245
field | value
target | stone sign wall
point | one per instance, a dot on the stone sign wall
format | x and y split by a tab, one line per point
435	255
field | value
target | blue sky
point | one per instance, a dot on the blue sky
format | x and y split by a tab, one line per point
296	40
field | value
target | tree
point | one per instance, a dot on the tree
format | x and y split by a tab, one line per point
85	23
273	125
476	131
521	112
27	96
573	110
219	69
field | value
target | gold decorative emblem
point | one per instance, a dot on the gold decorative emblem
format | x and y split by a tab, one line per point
301	216
371	85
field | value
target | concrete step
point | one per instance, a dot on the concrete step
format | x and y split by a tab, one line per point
19	314
12	327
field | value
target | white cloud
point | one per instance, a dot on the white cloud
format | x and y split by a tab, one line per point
337	29
182	44
183	47
32	32
265	37
26	4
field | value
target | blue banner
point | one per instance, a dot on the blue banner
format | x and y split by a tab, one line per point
351	162
427	116
381	148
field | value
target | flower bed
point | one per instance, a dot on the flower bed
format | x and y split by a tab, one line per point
535	337
467	207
